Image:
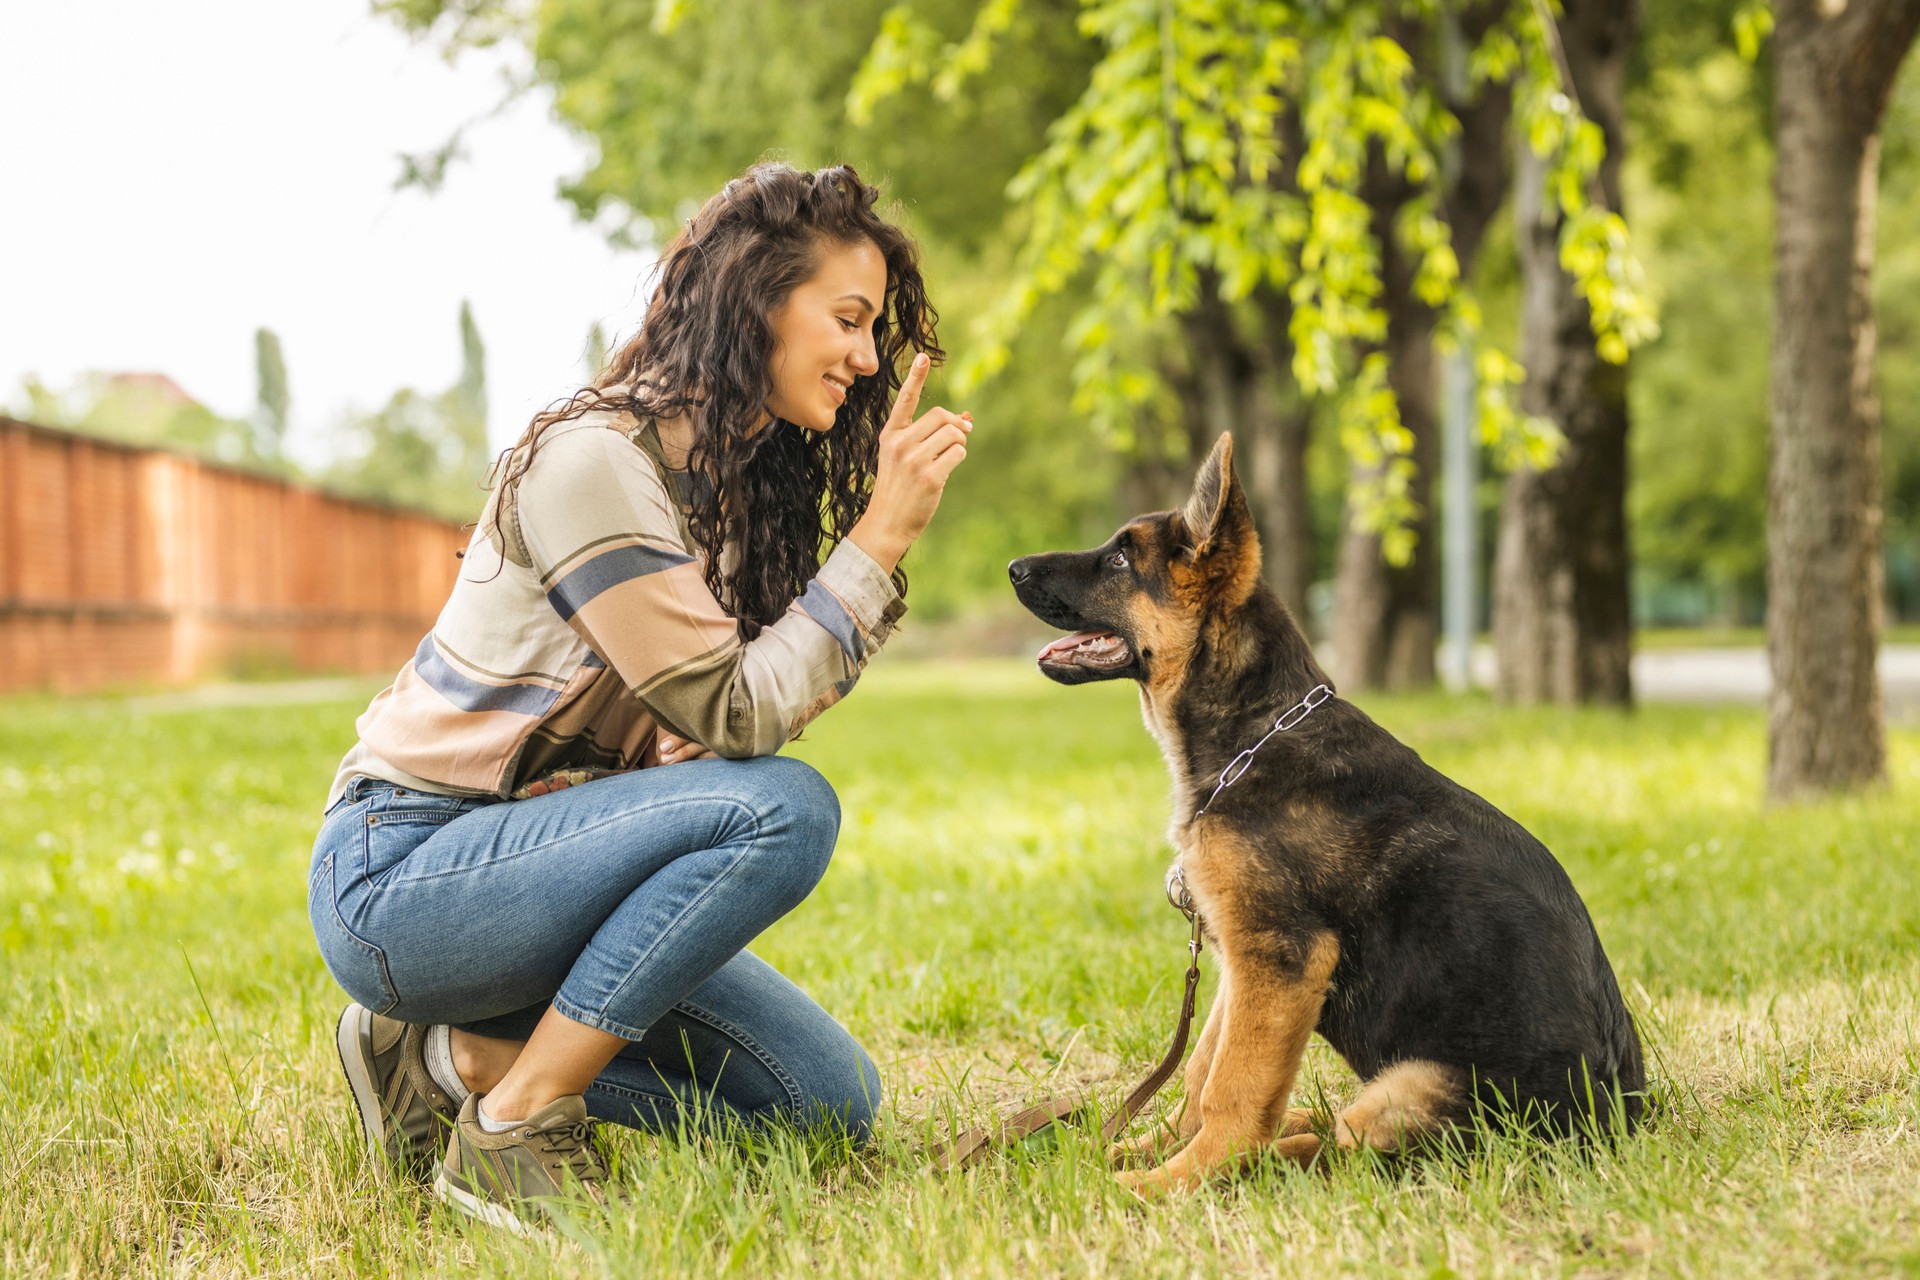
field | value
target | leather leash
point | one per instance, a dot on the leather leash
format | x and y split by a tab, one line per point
965	1148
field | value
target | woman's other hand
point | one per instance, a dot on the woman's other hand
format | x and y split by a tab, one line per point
916	457
674	749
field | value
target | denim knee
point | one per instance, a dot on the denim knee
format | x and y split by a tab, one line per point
795	802
844	1093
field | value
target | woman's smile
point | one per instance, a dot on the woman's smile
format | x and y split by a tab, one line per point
826	323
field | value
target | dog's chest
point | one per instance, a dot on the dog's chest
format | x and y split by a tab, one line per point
1173	746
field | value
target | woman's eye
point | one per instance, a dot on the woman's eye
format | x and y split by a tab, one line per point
848	325
1118	559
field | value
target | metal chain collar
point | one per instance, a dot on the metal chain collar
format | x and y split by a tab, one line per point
1293	716
1177	892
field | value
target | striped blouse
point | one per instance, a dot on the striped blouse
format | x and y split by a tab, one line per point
585	624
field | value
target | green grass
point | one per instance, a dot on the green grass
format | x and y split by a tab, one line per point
993	929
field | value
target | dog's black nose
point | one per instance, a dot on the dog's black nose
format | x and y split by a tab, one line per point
1018	571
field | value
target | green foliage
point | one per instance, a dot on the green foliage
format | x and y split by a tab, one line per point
1699	184
1168	176
148	410
273	399
678	111
992	928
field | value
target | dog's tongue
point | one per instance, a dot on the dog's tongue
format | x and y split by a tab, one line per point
1067	644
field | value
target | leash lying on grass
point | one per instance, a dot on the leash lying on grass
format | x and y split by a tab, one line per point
966	1147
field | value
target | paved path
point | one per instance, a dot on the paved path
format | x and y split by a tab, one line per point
1741	675
1738	675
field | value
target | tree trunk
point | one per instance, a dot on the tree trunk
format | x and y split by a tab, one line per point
1233	389
1562	618
1834	68
1279	425
1276	480
1386	619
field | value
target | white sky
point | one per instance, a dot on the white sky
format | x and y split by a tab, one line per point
173	175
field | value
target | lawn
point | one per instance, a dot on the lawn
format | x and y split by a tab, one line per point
993	929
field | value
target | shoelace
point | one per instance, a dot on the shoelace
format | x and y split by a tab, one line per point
570	1143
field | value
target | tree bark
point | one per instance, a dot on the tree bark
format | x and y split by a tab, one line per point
1279	427
1386	617
1234	388
1386	620
1834	66
1562	618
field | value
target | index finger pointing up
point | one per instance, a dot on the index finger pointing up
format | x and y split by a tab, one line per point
909	398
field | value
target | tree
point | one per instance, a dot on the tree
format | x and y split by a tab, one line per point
597	353
273	400
1834	69
428	452
146	409
1699	171
1167	188
466	402
1386	614
1562	615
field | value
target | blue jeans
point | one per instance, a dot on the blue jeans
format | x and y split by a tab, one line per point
625	903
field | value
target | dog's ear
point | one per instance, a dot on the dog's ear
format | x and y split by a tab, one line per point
1217	508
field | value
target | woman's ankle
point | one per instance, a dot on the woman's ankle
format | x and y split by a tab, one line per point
482	1061
512	1100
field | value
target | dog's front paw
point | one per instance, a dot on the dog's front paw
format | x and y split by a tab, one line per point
1149	1148
1155	1184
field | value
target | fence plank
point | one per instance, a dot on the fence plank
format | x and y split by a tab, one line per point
122	566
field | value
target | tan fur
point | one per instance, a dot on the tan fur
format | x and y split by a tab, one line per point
1401	1105
1169	634
1162	1138
1256	1031
1396	1112
1249	1051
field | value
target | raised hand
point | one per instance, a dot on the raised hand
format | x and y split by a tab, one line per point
916	457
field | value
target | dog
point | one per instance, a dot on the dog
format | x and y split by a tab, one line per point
1348	887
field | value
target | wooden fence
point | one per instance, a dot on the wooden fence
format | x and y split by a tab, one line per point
122	566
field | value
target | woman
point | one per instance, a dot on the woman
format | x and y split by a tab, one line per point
565	820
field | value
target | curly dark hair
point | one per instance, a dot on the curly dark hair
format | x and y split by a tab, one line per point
784	495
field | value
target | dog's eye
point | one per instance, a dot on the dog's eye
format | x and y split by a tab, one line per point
1118	559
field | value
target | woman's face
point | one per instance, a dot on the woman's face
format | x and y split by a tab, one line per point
823	334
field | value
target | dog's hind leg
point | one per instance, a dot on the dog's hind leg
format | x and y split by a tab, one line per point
1268	1017
1404	1106
1301	1120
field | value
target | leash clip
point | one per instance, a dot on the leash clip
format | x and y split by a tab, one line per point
1177	892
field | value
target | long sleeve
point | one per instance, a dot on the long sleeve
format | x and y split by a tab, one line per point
605	539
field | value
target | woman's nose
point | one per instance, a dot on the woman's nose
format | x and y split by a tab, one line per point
865	360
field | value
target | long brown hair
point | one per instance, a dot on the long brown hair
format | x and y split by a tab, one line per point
781	493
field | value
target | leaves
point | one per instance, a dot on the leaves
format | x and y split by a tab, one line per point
1224	145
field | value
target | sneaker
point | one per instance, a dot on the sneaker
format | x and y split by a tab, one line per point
497	1177
405	1113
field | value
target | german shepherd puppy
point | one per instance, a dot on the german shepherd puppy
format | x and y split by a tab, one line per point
1347	887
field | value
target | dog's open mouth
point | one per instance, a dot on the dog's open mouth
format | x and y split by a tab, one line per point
1100	650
